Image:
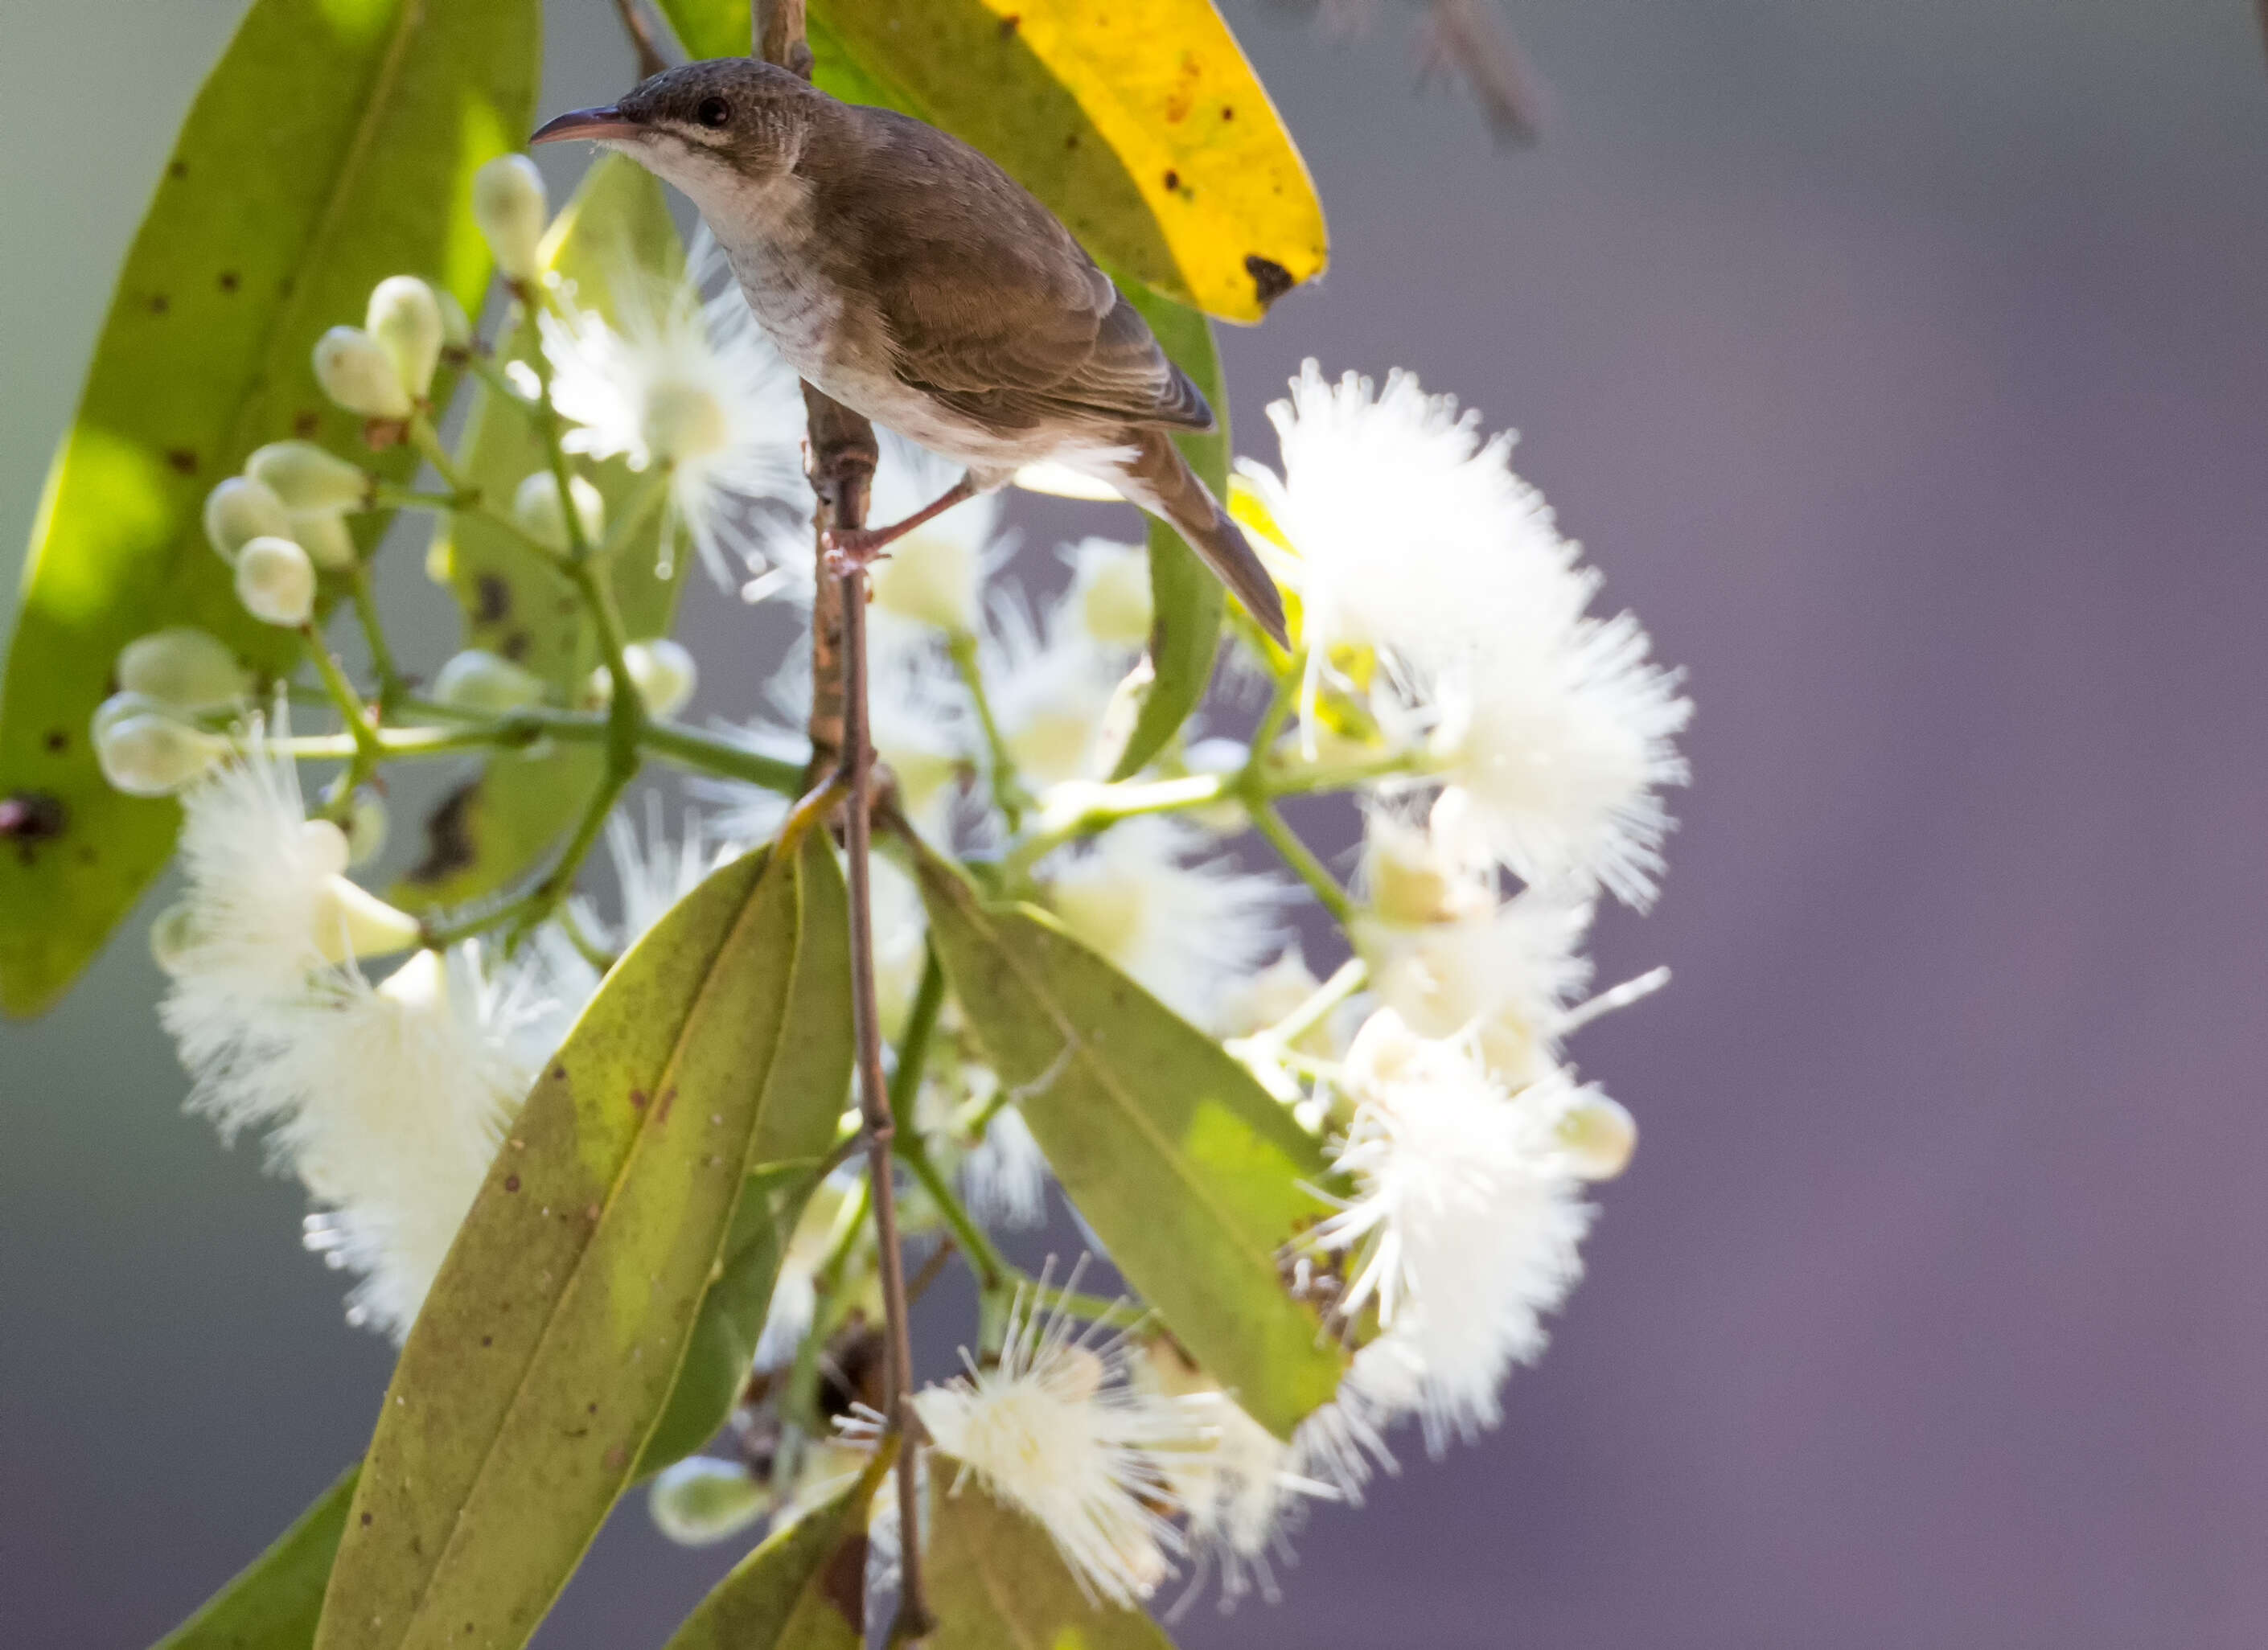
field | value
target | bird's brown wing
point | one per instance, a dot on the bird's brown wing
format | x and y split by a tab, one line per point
990	303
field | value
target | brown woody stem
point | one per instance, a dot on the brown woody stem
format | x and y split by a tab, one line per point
840	456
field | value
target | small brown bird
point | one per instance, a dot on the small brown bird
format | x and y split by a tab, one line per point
915	282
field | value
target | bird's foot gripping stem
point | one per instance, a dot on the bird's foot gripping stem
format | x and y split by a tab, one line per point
851	549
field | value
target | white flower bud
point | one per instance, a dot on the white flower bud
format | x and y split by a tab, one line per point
172	935
326	537
366	828
663	673
699	1500
325	845
405	317
145	752
275	581
535	506
241	510
351	922
182	667
1408	883
479	681
1113	593
1598	1136
929	578
1382	1052
305	476
358	372
509	206
683	421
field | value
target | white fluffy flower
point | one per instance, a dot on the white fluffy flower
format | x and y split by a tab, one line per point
1464	1228
1237	1483
1185	928
1055	1429
1559	726
266	908
1563	751
654	871
1448	956
1409	533
1005	1176
693	387
393	1097
1049	688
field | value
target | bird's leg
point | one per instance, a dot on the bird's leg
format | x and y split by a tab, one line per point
851	548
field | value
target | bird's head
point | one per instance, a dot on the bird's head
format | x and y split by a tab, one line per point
712	128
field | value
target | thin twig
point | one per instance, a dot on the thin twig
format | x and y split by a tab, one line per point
650	59
842	455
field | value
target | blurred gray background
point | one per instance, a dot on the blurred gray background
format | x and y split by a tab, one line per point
1903	366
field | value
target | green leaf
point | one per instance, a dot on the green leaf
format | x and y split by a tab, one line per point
272	1602
548	1349
804	1589
809	1087
1187	600
1140	123
998	1583
615	243
333	146
1188	1173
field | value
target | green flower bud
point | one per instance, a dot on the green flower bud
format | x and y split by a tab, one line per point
699	1500
406	317
143	751
275	581
326	537
509	206
480	681
241	510
172	935
456	325
358	372
535	506
664	674
308	477
183	669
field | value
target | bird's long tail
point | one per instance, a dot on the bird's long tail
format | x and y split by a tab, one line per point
1159	480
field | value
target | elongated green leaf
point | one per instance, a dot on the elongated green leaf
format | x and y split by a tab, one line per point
333	146
997	1583
807	1089
272	1602
804	1589
615	245
1186	599
1140	122
1191	1176
549	1347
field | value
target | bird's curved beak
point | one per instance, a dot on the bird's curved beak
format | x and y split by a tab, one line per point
594	124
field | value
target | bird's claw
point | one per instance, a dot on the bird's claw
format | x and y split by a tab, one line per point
848	550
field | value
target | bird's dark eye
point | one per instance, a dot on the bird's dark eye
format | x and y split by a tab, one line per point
713	112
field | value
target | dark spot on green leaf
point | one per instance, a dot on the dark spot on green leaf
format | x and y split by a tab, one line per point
181	460
515	646
306	424
1008	26
365	1520
637	1099
512	1182
1271	280
57	741
491	598
180	169
229	280
448	837
33	816
1172	179
160	303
